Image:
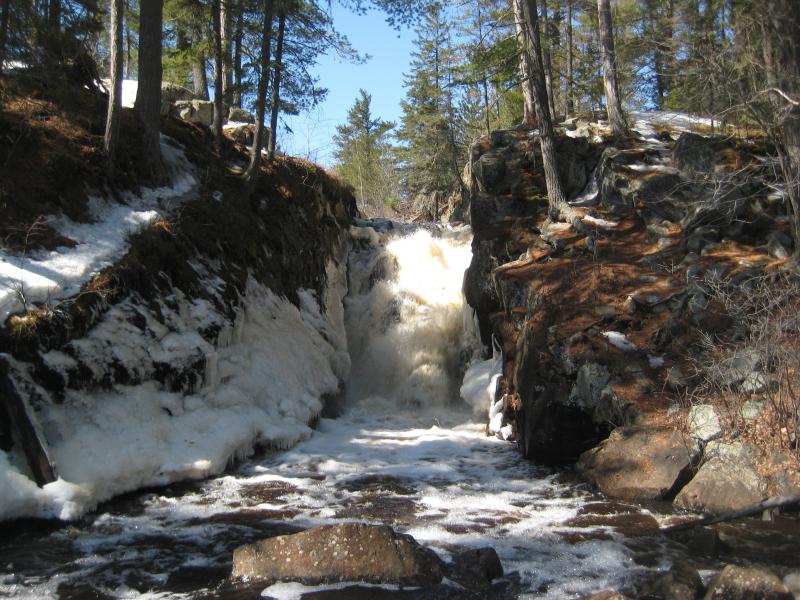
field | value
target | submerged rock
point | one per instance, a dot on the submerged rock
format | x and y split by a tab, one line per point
747	583
639	464
348	552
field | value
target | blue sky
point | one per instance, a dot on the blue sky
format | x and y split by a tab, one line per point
381	76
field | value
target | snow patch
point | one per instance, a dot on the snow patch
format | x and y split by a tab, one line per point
51	276
618	340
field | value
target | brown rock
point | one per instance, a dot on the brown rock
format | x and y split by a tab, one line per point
475	569
681	582
636	463
743	583
348	552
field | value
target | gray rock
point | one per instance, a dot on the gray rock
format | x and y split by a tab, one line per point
694	155
727	480
751	409
489	172
703	423
172	92
676	380
348	552
637	463
200	112
240	115
777	250
681	582
739	367
747	583
591	381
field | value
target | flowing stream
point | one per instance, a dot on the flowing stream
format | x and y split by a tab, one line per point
404	451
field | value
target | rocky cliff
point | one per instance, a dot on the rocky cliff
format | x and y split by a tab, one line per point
607	331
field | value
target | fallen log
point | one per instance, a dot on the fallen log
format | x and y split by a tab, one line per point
754	509
23	429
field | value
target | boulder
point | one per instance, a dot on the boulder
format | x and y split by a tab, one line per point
726	481
475	569
681	582
172	92
703	423
241	133
747	583
200	112
240	115
694	155
637	463
334	553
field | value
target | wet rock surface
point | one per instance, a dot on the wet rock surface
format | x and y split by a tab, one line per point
350	552
640	463
744	583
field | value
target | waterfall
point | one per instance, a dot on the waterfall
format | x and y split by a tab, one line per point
405	314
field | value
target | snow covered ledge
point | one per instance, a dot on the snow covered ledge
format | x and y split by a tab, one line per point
262	386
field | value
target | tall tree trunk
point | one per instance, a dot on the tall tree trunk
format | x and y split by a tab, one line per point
148	94
525	67
251	175
199	76
276	83
613	103
219	76
558	207
237	58
54	16
5	17
226	12
115	97
128	48
569	92
548	63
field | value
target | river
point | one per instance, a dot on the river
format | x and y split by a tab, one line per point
402	449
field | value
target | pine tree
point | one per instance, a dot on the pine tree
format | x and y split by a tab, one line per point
363	156
430	158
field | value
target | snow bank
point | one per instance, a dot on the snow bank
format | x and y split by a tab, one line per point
645	122
50	276
263	384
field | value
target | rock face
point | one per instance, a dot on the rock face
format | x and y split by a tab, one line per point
349	552
635	463
741	583
200	112
727	480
